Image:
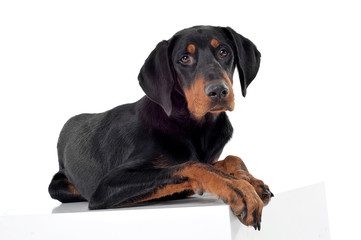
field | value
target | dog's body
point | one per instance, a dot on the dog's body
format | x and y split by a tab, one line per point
136	137
168	143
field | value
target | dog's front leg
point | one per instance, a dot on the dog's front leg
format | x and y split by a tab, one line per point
234	166
123	187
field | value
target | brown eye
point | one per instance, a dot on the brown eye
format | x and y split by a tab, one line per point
222	53
185	59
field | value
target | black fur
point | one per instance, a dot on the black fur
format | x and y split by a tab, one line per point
111	158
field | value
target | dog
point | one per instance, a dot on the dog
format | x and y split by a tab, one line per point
167	145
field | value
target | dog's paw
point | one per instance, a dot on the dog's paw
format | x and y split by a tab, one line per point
235	167
262	190
245	203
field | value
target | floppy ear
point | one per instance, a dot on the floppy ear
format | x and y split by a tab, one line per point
156	77
247	58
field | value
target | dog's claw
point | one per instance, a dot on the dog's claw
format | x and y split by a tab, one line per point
257	223
268	192
244	214
257	226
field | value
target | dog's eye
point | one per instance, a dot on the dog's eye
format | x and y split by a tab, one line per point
222	53
185	59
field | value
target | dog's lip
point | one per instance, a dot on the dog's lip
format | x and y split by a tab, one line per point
221	106
217	108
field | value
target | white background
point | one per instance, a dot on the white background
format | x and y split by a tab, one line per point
298	125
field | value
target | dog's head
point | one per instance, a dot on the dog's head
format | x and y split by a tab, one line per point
201	61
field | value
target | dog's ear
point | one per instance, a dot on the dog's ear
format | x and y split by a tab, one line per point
157	77
247	58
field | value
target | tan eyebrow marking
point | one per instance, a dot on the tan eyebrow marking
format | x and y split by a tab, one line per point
214	43
191	48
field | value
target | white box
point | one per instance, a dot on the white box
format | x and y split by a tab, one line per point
297	214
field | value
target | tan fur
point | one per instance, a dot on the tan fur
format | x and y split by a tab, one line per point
197	100
214	43
72	189
201	178
236	167
199	103
191	48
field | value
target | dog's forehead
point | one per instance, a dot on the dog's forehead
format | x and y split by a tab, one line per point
200	37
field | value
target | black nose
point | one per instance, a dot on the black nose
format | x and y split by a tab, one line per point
217	91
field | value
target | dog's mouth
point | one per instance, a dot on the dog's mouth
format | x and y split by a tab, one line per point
221	107
218	108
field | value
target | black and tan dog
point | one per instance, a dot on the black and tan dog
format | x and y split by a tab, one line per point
168	143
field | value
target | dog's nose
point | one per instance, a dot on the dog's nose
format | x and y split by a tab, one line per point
217	91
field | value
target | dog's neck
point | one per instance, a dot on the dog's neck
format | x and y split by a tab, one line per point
180	116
